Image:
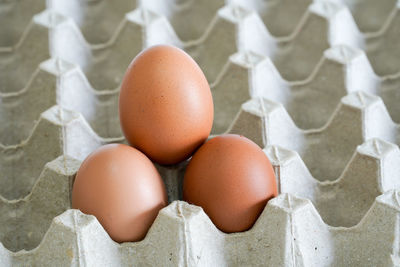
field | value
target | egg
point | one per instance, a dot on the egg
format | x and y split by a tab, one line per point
121	187
232	179
165	104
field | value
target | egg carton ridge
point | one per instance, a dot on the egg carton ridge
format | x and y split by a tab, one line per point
15	17
61	37
58	82
282	236
382	48
32	48
372	171
96	19
57	132
334	150
190	19
359	117
250	34
49	197
309	102
282	17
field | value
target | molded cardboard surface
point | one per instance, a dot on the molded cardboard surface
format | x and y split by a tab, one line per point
314	83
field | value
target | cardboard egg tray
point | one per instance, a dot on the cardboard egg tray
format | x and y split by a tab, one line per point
314	83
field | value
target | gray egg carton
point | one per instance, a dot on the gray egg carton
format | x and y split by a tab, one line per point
50	32
311	102
358	117
314	82
290	232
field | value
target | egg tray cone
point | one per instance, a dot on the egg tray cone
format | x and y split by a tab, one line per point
233	31
358	117
290	232
311	102
372	170
37	175
305	80
57	82
57	132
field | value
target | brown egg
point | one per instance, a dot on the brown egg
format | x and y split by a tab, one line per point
165	104
122	188
232	179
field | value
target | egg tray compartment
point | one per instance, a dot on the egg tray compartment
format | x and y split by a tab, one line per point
60	82
286	21
53	35
290	231
37	175
246	75
66	81
238	67
358	118
372	171
65	165
51	19
233	29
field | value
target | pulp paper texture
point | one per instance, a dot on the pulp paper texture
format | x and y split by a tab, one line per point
314	83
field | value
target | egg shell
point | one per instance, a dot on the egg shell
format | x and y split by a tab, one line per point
165	104
232	179
122	188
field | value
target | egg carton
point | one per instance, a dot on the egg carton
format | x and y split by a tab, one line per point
104	64
282	17
199	12
59	129
100	20
61	82
57	82
78	63
246	75
311	102
374	164
37	175
71	75
372	170
183	235
287	26
290	232
15	17
57	132
359	117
